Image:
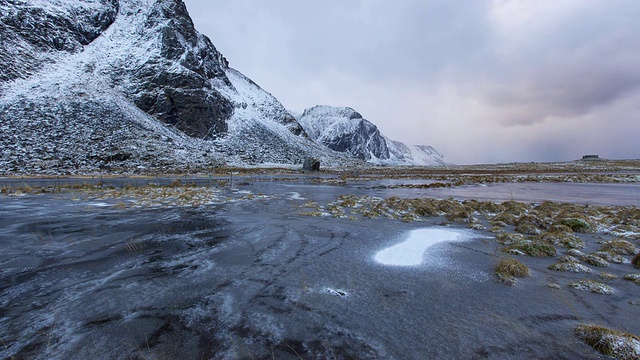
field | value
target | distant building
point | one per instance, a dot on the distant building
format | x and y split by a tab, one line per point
591	157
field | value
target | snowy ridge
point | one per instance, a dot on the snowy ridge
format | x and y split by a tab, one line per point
344	129
139	89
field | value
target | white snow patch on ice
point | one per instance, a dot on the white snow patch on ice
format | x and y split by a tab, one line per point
335	292
296	196
99	204
411	251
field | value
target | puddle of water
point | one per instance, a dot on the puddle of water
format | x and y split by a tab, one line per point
411	251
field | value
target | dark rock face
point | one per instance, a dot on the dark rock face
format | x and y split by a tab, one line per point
30	33
365	142
184	99
100	79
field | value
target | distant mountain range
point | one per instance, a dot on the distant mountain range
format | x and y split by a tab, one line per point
108	85
344	129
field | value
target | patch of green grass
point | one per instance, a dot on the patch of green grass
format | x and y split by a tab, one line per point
617	344
508	269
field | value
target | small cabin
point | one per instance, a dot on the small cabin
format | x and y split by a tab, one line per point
591	157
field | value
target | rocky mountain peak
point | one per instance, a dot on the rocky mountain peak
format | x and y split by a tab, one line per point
130	84
35	31
345	130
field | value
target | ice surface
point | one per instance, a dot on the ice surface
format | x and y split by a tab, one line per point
411	251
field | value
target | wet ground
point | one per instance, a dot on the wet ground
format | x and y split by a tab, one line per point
251	278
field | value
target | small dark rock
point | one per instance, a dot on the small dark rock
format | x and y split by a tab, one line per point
311	164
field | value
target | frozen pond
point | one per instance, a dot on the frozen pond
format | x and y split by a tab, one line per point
251	278
411	251
581	193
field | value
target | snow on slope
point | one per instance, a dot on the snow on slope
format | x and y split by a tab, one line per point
344	129
129	97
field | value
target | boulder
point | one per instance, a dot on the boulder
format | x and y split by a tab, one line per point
311	164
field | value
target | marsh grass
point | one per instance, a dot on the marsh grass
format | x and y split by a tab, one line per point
532	248
508	269
510	238
592	286
621	247
617	344
633	277
607	276
570	266
577	222
595	260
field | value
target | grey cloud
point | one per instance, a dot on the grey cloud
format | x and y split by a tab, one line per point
560	66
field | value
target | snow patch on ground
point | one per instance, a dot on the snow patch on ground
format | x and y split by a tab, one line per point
410	252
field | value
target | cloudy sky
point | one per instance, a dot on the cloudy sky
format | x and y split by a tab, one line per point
482	81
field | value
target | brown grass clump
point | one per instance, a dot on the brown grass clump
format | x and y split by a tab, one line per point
510	238
564	239
595	260
622	247
507	269
636	261
577	223
528	228
424	207
592	286
633	277
506	218
607	276
610	342
570	266
533	248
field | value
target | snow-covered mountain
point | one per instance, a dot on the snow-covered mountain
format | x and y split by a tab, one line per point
108	84
344	129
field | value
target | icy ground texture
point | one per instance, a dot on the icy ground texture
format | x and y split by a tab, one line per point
412	250
226	273
345	130
110	84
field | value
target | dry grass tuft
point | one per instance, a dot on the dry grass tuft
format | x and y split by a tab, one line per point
577	222
633	277
510	238
533	248
507	269
592	286
610	342
570	266
607	276
622	247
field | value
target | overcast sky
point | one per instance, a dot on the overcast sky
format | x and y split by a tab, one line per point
482	81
